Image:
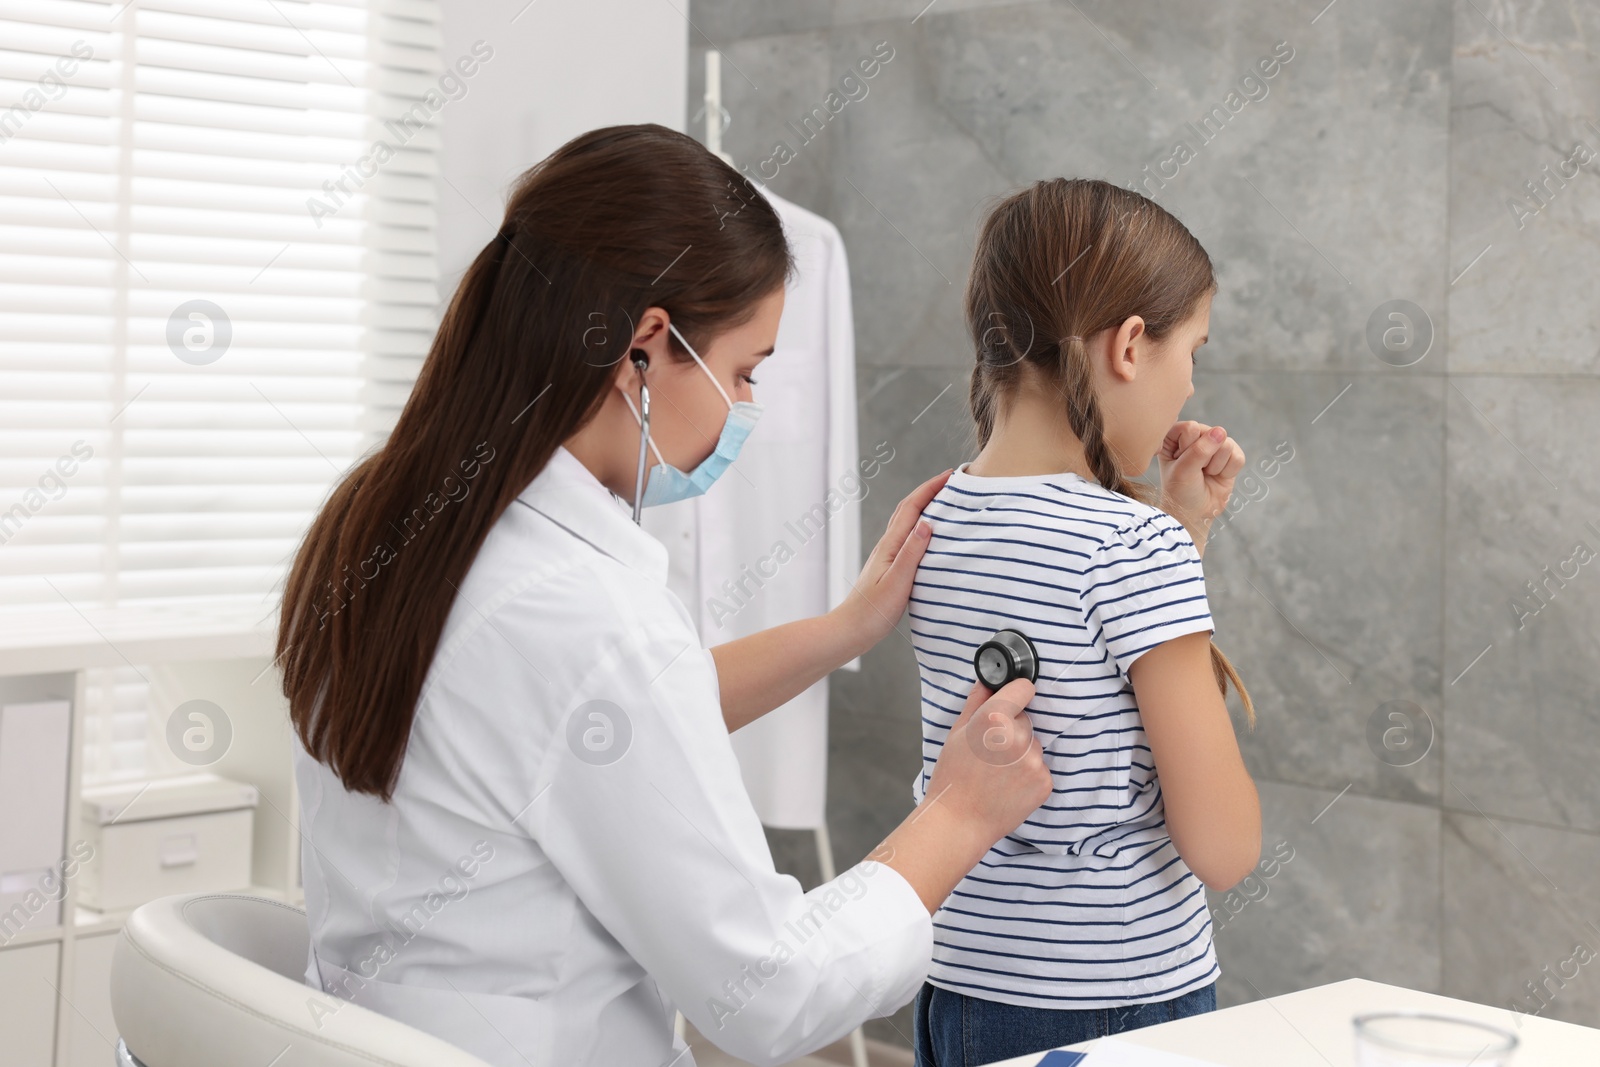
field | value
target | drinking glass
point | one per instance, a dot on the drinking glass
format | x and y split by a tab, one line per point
1422	1039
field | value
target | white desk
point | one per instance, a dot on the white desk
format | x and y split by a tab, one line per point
1312	1028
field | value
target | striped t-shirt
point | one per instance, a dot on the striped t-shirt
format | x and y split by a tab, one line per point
1087	903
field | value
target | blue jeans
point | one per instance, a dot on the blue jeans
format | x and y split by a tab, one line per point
955	1030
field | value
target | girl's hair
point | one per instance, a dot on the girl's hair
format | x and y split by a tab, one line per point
1057	263
613	222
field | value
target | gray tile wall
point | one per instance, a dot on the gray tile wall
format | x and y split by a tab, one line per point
1381	564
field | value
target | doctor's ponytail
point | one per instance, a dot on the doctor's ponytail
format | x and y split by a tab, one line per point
613	222
1056	264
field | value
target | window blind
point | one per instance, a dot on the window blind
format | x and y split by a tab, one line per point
212	300
115	717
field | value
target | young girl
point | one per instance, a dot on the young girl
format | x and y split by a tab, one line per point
1086	303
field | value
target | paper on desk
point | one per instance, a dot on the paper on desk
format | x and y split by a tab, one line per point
1110	1052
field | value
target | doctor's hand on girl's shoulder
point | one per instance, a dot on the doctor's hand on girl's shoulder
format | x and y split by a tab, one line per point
881	592
1198	466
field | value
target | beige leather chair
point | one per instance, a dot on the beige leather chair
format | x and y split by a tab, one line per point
217	980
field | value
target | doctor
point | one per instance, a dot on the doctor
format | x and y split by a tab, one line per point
524	826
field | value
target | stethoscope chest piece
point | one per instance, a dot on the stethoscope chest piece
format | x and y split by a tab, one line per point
1006	656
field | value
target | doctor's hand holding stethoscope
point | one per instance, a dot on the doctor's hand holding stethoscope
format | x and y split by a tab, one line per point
488	676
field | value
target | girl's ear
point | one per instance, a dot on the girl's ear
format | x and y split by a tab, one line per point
1133	328
1122	351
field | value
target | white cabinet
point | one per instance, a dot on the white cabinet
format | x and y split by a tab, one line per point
29	979
91	1033
33	785
186	834
55	955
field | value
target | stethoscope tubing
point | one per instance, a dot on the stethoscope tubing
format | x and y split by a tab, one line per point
644	442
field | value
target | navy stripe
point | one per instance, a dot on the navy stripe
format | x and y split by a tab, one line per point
1075	922
1060	978
987	630
994	609
1061	773
931	551
1097	493
941	523
1087	870
1182	878
937	536
1142	997
1121	939
1050	513
1118	888
1200	598
1134	653
986	574
1127	561
1150	589
1044	696
1114	961
1092	824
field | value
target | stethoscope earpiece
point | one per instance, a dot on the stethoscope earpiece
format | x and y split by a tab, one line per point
1005	657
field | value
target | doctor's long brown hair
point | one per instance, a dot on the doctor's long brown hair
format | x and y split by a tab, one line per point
1057	263
615	221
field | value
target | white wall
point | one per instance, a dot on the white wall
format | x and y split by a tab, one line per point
559	67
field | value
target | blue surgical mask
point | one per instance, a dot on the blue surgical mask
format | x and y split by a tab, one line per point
667	484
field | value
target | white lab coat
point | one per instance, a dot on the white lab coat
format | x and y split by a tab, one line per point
721	546
537	905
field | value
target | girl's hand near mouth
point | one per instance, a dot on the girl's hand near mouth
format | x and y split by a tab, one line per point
1198	467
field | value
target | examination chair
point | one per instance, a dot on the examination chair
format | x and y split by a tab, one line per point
217	980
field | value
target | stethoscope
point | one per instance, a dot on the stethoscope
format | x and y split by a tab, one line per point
1005	657
639	364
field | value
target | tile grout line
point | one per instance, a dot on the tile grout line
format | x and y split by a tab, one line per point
1434	805
1444	493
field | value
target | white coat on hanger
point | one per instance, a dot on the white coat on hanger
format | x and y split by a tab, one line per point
726	563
